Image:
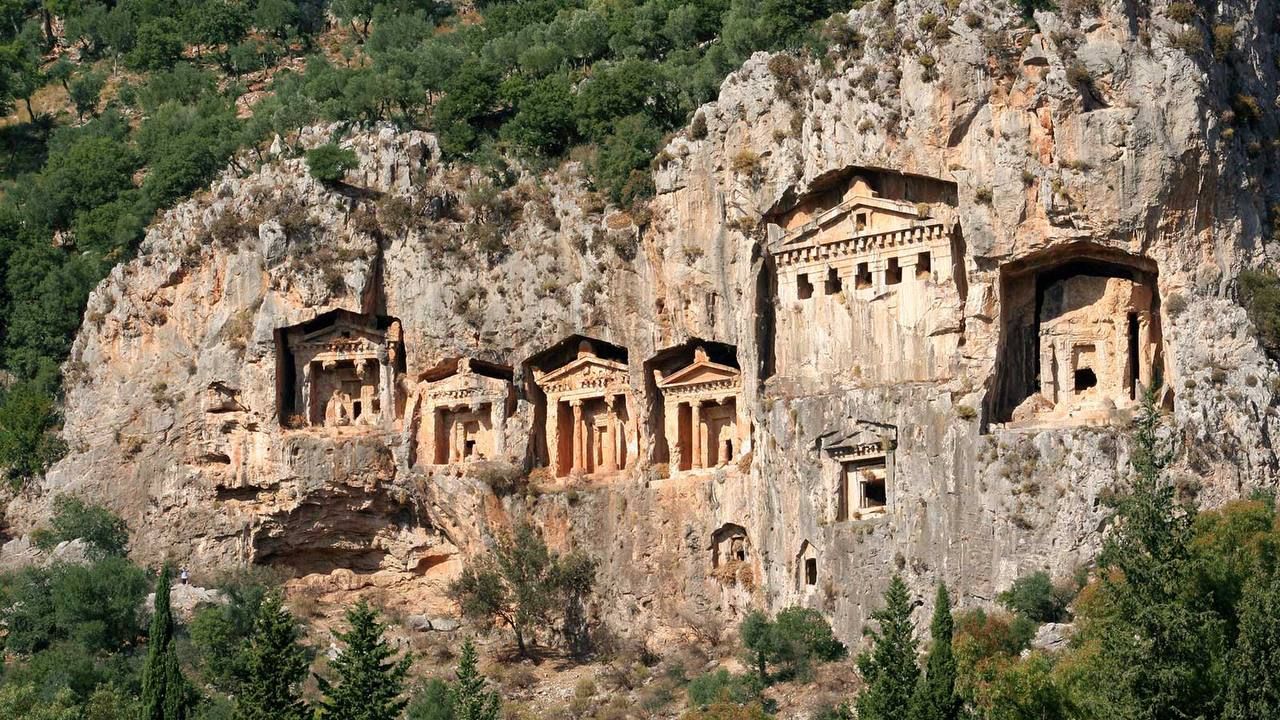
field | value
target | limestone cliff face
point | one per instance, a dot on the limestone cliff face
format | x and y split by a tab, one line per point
1089	146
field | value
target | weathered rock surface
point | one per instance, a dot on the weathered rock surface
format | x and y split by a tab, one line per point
172	411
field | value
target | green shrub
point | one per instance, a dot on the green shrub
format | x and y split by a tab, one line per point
790	643
1036	597
1260	296
330	163
104	531
721	685
28	442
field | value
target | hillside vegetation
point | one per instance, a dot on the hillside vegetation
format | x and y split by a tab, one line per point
120	110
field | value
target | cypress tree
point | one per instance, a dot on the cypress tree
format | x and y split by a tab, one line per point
369	683
935	697
890	666
470	697
166	694
272	666
1253	689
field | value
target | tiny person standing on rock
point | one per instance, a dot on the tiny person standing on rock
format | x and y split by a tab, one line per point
184	576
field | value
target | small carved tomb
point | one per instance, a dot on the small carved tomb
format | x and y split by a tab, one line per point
344	366
705	426
864	466
1096	343
459	412
588	425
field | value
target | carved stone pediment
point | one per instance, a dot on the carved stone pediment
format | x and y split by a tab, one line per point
589	374
700	376
860	439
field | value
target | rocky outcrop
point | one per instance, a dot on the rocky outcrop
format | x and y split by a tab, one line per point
1098	138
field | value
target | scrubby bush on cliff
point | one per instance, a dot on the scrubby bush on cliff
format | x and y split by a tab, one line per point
1260	295
791	642
1036	597
104	532
329	163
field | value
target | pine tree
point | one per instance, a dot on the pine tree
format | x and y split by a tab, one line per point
272	666
166	694
470	697
369	684
889	668
1161	646
1253	689
935	696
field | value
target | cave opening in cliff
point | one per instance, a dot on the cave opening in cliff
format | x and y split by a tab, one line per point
1080	336
832	284
729	544
804	288
696	419
892	272
924	265
811	571
340	369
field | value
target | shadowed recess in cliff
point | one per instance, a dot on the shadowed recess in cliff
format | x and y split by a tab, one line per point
1080	336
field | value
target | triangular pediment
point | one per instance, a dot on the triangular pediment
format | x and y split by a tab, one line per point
346	332
882	216
862	438
583	367
700	372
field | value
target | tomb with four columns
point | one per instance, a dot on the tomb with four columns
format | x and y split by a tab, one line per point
459	410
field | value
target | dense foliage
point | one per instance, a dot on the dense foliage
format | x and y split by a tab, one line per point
150	114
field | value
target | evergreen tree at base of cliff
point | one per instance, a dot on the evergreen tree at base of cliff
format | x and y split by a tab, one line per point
166	694
889	668
272	666
1253	689
470	697
935	696
1160	646
369	683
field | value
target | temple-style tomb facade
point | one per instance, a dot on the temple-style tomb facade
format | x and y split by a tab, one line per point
589	427
344	367
704	422
459	412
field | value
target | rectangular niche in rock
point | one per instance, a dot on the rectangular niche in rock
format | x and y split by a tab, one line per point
458	412
588	418
338	370
886	249
704	423
861	461
1081	337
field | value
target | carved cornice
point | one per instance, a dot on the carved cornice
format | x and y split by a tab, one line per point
864	451
869	245
710	387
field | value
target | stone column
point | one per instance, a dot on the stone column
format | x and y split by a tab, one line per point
1048	371
742	427
307	392
579	439
1146	354
619	433
553	435
498	423
386	390
695	434
671	429
429	426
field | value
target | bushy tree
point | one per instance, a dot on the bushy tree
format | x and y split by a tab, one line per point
368	682
329	163
1036	597
220	631
166	692
85	91
158	45
935	696
104	532
889	668
27	445
1260	296
272	666
522	584
791	641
